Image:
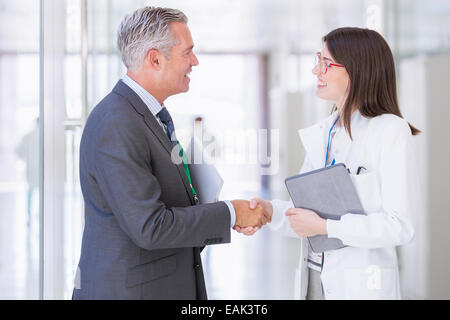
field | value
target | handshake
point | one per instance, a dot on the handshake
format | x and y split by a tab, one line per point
251	215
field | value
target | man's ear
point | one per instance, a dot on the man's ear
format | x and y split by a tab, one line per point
154	59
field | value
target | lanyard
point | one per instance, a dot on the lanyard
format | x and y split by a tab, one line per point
328	144
186	168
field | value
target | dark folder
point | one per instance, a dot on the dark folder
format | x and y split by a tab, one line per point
330	193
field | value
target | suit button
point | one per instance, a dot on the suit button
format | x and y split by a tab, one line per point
197	266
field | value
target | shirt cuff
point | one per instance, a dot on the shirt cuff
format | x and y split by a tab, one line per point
279	209
232	213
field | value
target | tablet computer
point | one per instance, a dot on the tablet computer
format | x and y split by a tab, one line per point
330	193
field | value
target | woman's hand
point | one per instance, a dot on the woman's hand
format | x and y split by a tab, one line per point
306	223
267	206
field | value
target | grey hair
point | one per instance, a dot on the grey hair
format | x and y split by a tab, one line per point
145	29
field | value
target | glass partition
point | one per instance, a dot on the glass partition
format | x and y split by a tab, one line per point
19	150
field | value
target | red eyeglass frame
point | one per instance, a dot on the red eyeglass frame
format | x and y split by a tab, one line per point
319	58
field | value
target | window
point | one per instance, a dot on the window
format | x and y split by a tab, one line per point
19	145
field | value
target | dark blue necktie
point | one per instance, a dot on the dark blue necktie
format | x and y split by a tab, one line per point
166	119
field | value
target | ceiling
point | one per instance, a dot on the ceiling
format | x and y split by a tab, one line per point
410	26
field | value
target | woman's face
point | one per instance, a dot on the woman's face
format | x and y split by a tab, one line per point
333	81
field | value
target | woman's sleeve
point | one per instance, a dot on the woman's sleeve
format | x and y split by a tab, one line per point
392	225
280	223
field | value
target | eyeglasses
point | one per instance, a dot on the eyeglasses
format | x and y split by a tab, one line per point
324	64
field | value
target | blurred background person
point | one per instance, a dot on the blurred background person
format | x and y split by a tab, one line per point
28	151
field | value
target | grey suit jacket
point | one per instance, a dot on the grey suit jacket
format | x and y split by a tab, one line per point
143	234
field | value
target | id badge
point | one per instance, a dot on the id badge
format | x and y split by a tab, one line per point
196	200
315	261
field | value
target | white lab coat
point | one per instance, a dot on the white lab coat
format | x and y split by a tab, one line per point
367	268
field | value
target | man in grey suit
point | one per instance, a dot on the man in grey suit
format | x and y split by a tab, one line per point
144	229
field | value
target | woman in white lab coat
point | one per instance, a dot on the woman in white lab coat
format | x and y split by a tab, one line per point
366	132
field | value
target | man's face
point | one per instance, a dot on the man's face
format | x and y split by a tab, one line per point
176	69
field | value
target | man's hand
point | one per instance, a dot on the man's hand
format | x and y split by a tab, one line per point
306	223
246	217
254	203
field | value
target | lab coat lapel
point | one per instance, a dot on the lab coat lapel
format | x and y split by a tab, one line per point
314	140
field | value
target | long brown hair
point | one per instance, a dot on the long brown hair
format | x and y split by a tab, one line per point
370	66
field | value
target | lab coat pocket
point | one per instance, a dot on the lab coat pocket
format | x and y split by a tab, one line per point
368	188
372	282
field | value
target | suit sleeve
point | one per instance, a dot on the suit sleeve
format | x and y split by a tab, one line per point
124	175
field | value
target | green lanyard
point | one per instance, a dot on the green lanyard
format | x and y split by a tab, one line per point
186	168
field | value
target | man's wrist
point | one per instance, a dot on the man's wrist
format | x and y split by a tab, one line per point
232	213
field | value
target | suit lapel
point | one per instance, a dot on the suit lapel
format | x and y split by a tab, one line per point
149	119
